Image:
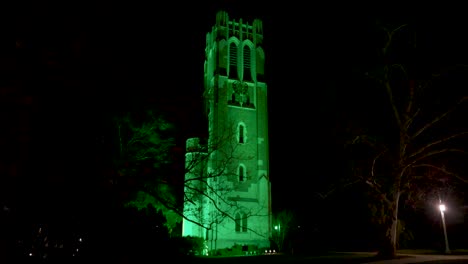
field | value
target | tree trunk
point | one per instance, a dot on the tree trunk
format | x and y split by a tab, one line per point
389	245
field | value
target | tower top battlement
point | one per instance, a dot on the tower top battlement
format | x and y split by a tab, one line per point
193	145
226	27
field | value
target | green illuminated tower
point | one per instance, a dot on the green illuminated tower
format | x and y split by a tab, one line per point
228	197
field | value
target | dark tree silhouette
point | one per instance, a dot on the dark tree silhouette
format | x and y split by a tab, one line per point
413	137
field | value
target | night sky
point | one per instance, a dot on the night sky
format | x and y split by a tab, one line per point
110	57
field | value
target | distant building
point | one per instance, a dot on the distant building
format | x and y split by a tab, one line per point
228	192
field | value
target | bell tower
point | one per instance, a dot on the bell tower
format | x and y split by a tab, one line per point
237	209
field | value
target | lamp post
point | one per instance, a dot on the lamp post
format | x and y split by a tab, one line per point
442	209
278	227
279	239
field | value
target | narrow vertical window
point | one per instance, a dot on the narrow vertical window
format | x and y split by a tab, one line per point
238	222
241	134
247	76
244	223
241	173
233	61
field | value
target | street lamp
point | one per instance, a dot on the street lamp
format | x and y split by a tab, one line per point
278	227
442	209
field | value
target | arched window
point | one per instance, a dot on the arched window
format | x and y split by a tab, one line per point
247	76
241	134
244	223
241	222
233	61
241	173
238	222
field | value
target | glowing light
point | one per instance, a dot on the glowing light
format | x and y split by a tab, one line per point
442	207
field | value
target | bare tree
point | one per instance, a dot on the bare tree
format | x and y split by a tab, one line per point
145	148
210	182
417	143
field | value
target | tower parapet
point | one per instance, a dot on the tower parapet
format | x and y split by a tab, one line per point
193	145
226	28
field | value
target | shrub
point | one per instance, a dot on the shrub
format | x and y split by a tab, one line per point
193	246
238	250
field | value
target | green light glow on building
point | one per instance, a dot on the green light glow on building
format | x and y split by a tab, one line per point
227	190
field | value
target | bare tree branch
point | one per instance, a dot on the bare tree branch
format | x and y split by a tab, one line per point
333	190
390	36
435	152
410	120
438	118
379	190
392	102
442	169
437	142
374	161
409	107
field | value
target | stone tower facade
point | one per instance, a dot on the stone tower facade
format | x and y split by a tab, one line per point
227	190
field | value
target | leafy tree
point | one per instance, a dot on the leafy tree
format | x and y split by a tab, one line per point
145	164
145	143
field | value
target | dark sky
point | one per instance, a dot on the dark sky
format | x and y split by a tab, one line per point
110	51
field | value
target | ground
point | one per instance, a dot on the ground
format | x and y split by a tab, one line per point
406	256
